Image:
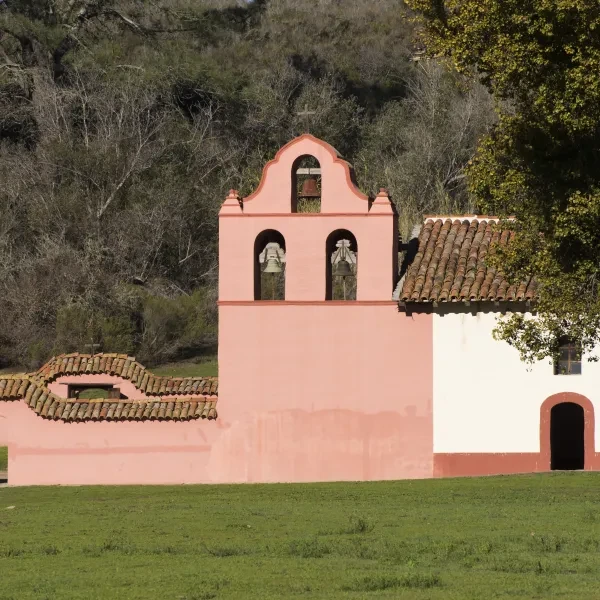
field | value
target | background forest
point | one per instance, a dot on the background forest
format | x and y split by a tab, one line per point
123	123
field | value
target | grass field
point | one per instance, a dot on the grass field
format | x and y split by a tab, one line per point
200	368
93	393
208	368
502	537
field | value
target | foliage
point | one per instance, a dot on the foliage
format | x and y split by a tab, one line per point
93	393
123	124
204	368
419	146
174	325
3	458
541	61
521	537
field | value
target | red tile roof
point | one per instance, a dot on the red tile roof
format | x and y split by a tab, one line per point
126	367
193	397
449	265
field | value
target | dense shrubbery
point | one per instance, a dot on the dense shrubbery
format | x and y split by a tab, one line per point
124	123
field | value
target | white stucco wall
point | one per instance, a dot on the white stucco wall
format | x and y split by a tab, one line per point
484	398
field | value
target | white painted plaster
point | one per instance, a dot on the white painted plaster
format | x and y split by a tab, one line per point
484	398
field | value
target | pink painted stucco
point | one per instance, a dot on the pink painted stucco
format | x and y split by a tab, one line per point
317	390
309	390
373	224
326	392
42	452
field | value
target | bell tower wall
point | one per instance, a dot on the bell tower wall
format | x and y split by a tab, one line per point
313	389
372	222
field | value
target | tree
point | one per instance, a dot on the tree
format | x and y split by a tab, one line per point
123	124
419	146
541	61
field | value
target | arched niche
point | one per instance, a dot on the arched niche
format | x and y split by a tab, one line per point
589	427
341	260
306	185
269	265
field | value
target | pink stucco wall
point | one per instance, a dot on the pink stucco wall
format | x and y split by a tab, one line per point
318	390
309	393
326	392
42	452
315	392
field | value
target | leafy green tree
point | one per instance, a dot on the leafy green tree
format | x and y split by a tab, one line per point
541	61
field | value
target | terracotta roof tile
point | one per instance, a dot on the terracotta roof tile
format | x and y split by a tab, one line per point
126	367
449	265
196	396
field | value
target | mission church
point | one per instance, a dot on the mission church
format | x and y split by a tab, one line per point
335	362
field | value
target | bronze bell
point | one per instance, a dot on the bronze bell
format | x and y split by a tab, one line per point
310	189
272	266
343	269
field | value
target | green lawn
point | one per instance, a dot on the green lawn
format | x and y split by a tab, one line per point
93	393
206	368
501	537
3	458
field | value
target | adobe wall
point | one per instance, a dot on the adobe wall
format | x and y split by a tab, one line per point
326	392
316	390
46	452
307	393
488	405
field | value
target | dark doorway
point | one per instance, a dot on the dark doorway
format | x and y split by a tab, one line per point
566	437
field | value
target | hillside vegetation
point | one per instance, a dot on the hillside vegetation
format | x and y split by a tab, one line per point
123	123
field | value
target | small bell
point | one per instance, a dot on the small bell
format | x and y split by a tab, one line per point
342	269
310	189
272	266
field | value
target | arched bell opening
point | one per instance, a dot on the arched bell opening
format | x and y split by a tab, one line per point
341	262
306	185
269	266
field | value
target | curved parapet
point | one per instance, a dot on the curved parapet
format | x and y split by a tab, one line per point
339	193
126	367
186	398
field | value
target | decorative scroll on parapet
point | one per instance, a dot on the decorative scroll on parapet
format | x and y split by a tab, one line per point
450	266
277	192
232	204
126	367
199	399
382	203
